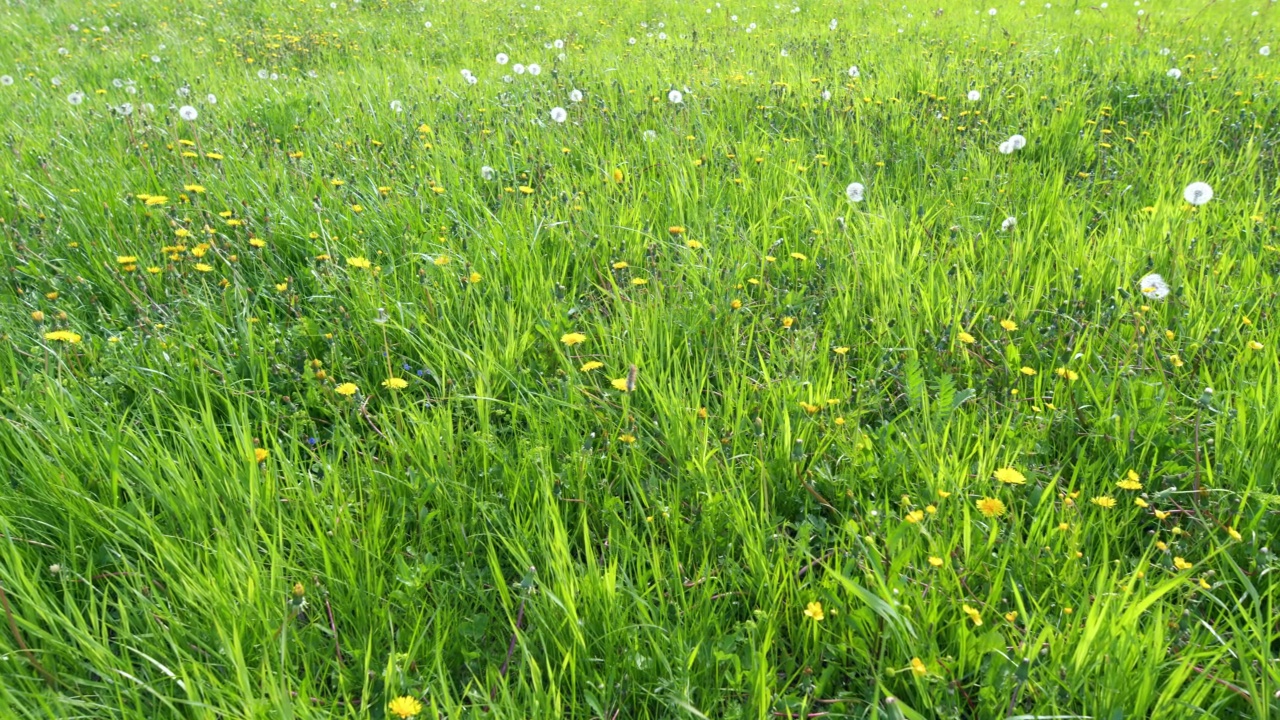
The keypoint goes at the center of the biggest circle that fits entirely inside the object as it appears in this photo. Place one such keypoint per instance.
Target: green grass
(512, 536)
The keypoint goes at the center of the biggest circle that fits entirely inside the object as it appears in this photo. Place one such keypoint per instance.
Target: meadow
(391, 359)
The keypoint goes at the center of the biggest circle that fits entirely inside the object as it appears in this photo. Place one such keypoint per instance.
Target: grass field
(639, 359)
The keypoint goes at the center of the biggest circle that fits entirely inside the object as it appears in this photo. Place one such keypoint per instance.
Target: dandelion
(64, 336)
(347, 389)
(1182, 564)
(75, 98)
(935, 561)
(1153, 286)
(395, 383)
(1255, 345)
(918, 668)
(260, 454)
(591, 365)
(404, 707)
(575, 96)
(991, 507)
(397, 106)
(518, 69)
(1008, 223)
(1264, 51)
(1009, 325)
(1198, 193)
(558, 114)
(1010, 476)
(572, 338)
(359, 262)
(855, 191)
(188, 113)
(502, 59)
(966, 338)
(488, 173)
(6, 80)
(1130, 482)
(974, 96)
(1017, 141)
(814, 611)
(1174, 73)
(1105, 502)
(1006, 148)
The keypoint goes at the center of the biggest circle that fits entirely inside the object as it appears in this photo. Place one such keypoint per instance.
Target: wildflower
(1154, 286)
(798, 256)
(1235, 534)
(915, 516)
(559, 114)
(917, 667)
(188, 113)
(502, 59)
(1130, 482)
(1017, 141)
(966, 338)
(1009, 325)
(842, 350)
(1198, 193)
(193, 188)
(627, 438)
(1141, 503)
(395, 383)
(359, 261)
(1264, 51)
(814, 610)
(1068, 375)
(347, 389)
(1008, 223)
(621, 265)
(855, 191)
(37, 315)
(854, 72)
(474, 278)
(203, 267)
(974, 96)
(155, 200)
(591, 365)
(1182, 564)
(1104, 501)
(676, 97)
(575, 96)
(572, 339)
(441, 260)
(404, 707)
(973, 614)
(65, 336)
(1255, 345)
(1010, 476)
(1027, 371)
(260, 454)
(935, 561)
(620, 384)
(991, 507)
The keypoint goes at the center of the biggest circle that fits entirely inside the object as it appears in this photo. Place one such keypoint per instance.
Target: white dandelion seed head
(974, 96)
(185, 91)
(502, 59)
(1198, 193)
(1154, 286)
(507, 78)
(992, 12)
(55, 81)
(662, 36)
(676, 97)
(1009, 223)
(1174, 73)
(117, 83)
(488, 173)
(854, 72)
(6, 79)
(785, 53)
(631, 41)
(826, 95)
(188, 113)
(650, 135)
(832, 24)
(1017, 141)
(131, 89)
(559, 115)
(427, 24)
(517, 69)
(125, 109)
(1165, 51)
(534, 69)
(397, 106)
(1006, 148)
(263, 74)
(155, 58)
(1264, 51)
(558, 44)
(575, 95)
(75, 98)
(855, 191)
(211, 99)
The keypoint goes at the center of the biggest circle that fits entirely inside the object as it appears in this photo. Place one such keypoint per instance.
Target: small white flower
(1198, 193)
(855, 192)
(488, 173)
(1154, 287)
(1264, 51)
(974, 96)
(502, 59)
(1174, 73)
(559, 115)
(676, 97)
(75, 98)
(1008, 223)
(1017, 141)
(575, 96)
(188, 113)
(397, 106)
(534, 69)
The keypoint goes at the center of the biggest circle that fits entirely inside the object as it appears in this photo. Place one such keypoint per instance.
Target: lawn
(617, 360)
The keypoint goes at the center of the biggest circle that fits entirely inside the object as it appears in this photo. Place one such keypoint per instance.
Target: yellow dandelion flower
(395, 383)
(991, 507)
(1010, 476)
(65, 336)
(966, 338)
(1070, 375)
(591, 365)
(842, 350)
(347, 389)
(572, 338)
(359, 261)
(1009, 325)
(1103, 501)
(404, 707)
(203, 267)
(260, 454)
(621, 265)
(441, 260)
(620, 384)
